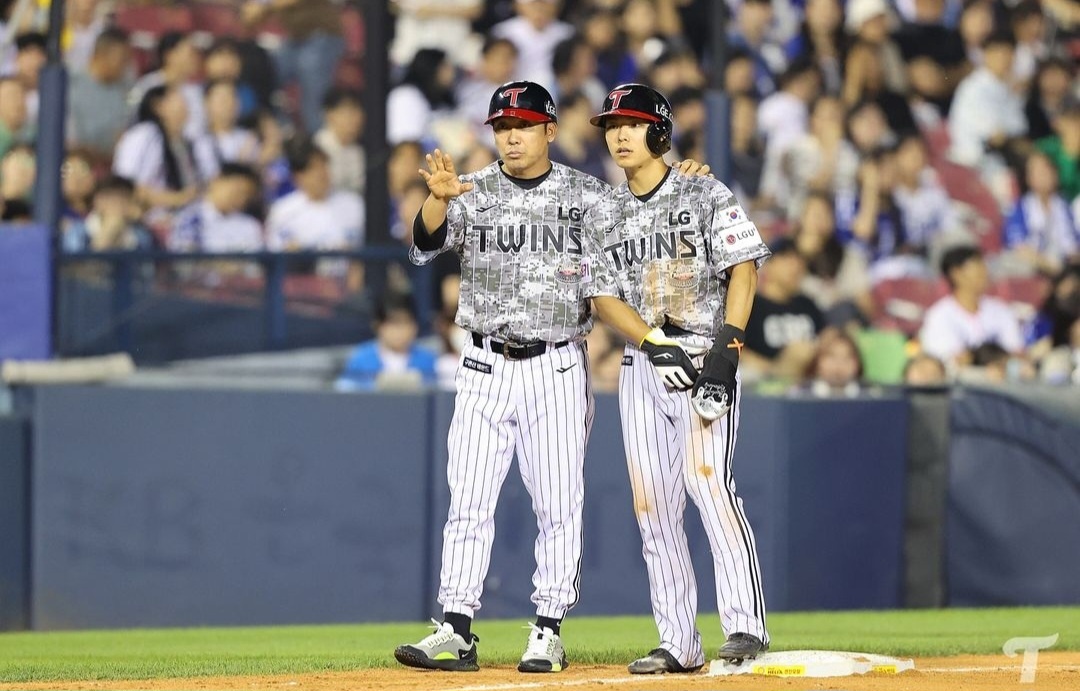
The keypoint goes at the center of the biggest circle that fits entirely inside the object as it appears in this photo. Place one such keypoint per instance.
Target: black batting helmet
(645, 103)
(525, 100)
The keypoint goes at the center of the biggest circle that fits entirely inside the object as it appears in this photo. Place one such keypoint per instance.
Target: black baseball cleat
(741, 646)
(443, 650)
(659, 661)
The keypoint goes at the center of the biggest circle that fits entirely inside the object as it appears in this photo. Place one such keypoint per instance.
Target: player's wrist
(653, 338)
(729, 343)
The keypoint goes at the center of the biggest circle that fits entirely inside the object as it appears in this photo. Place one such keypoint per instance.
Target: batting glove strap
(729, 344)
(672, 363)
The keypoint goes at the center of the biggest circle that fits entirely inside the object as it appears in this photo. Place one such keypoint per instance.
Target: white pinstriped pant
(671, 452)
(542, 409)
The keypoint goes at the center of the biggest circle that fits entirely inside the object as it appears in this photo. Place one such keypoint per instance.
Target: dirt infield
(1055, 672)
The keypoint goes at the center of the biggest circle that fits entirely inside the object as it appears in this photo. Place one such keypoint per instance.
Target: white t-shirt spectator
(140, 157)
(408, 115)
(297, 222)
(535, 48)
(926, 210)
(347, 162)
(453, 35)
(948, 329)
(201, 227)
(983, 106)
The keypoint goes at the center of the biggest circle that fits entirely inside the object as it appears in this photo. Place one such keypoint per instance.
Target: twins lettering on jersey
(661, 244)
(535, 237)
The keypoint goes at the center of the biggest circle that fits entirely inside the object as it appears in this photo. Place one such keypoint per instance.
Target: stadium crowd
(915, 163)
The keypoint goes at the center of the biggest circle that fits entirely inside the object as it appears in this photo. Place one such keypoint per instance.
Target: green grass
(147, 654)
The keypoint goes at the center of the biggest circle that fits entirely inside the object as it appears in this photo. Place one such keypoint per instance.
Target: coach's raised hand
(442, 178)
(672, 363)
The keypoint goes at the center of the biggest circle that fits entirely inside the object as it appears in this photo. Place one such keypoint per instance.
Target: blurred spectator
(425, 92)
(867, 129)
(821, 40)
(77, 184)
(837, 369)
(688, 109)
(986, 112)
(18, 168)
(873, 221)
(224, 62)
(747, 151)
(614, 65)
(975, 26)
(924, 205)
(1048, 96)
(15, 126)
(1063, 147)
(98, 108)
(343, 114)
(155, 154)
(29, 60)
(870, 22)
(224, 141)
(929, 94)
(392, 359)
(819, 160)
(836, 275)
(535, 30)
(783, 116)
(675, 68)
(218, 222)
(316, 216)
(781, 332)
(311, 50)
(925, 370)
(750, 33)
(445, 24)
(578, 144)
(1055, 332)
(574, 65)
(476, 158)
(990, 363)
(179, 65)
(85, 23)
(274, 166)
(412, 198)
(1040, 229)
(864, 80)
(739, 75)
(498, 61)
(1028, 26)
(967, 317)
(112, 224)
(402, 167)
(927, 35)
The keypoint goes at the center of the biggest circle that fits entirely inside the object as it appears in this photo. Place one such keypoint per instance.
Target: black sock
(462, 624)
(549, 623)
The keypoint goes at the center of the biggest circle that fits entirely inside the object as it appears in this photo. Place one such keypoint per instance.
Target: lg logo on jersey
(683, 219)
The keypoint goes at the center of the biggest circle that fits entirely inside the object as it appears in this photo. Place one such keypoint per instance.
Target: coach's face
(626, 141)
(523, 146)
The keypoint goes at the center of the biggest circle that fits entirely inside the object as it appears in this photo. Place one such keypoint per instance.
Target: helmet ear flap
(658, 137)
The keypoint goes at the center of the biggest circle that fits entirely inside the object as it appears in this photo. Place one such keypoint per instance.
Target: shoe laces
(443, 633)
(541, 641)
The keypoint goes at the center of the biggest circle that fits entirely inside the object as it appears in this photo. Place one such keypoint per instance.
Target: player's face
(523, 146)
(626, 141)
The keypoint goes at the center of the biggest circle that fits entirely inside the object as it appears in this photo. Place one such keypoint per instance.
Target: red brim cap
(598, 120)
(531, 116)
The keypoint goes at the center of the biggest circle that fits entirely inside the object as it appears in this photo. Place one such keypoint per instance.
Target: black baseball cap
(525, 100)
(634, 101)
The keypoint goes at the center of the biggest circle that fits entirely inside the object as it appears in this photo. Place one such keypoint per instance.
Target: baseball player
(523, 385)
(683, 256)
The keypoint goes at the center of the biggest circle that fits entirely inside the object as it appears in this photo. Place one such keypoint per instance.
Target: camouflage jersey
(524, 259)
(667, 255)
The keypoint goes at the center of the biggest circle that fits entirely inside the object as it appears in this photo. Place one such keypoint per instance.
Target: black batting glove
(714, 391)
(672, 363)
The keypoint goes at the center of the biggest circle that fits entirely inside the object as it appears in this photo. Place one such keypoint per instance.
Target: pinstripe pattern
(672, 452)
(531, 409)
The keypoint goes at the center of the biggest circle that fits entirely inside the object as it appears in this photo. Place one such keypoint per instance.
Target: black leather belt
(515, 351)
